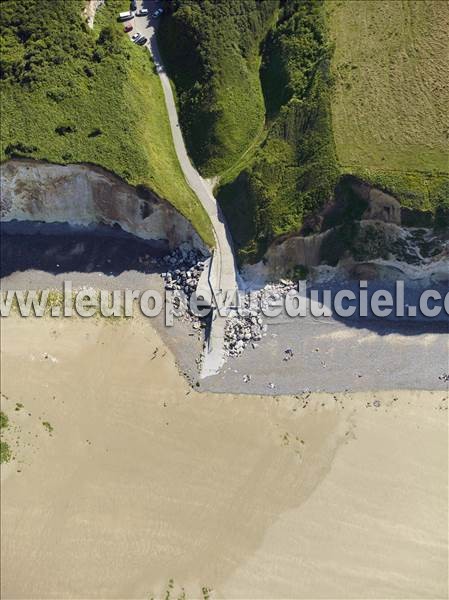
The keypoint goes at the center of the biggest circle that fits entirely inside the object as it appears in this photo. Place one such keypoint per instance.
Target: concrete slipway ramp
(221, 271)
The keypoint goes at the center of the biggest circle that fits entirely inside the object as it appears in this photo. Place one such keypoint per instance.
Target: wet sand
(143, 479)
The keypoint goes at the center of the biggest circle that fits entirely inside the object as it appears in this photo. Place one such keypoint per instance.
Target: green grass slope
(391, 95)
(71, 95)
(294, 171)
(212, 53)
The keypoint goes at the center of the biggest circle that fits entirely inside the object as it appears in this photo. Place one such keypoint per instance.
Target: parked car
(133, 5)
(136, 37)
(157, 13)
(128, 28)
(142, 41)
(142, 12)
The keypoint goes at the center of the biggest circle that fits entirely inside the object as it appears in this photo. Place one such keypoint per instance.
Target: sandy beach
(261, 187)
(124, 477)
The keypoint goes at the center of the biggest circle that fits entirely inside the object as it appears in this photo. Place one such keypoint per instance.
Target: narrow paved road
(223, 271)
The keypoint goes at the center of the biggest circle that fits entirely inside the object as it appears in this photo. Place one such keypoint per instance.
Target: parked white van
(126, 16)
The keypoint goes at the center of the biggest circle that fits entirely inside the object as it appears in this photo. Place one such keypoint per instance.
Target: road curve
(223, 270)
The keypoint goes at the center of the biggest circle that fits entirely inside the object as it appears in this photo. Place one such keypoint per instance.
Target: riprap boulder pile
(246, 325)
(184, 267)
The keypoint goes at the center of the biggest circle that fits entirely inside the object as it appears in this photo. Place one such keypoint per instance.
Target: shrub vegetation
(5, 452)
(347, 88)
(212, 53)
(72, 95)
(294, 171)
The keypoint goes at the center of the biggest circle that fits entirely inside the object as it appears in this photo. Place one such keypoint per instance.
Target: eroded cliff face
(372, 243)
(283, 256)
(380, 206)
(86, 195)
(378, 251)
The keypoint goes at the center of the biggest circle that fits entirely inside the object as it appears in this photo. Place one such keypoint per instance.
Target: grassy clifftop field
(73, 95)
(391, 95)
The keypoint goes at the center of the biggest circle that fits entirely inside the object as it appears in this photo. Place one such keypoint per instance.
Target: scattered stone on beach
(245, 326)
(376, 403)
(288, 354)
(239, 332)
